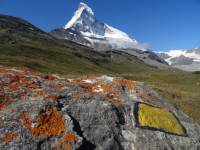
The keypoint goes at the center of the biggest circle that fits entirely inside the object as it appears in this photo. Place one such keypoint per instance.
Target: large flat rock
(41, 111)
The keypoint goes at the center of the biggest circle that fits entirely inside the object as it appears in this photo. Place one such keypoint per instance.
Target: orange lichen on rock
(27, 122)
(15, 78)
(116, 101)
(3, 70)
(1, 105)
(18, 81)
(87, 87)
(14, 86)
(58, 87)
(76, 82)
(6, 97)
(128, 83)
(106, 87)
(8, 137)
(70, 137)
(38, 94)
(101, 88)
(52, 97)
(33, 86)
(50, 123)
(67, 146)
(66, 140)
(1, 85)
(49, 77)
(46, 96)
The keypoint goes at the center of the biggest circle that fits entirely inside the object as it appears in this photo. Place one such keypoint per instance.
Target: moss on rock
(159, 118)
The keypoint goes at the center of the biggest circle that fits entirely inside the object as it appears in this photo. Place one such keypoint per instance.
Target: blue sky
(163, 24)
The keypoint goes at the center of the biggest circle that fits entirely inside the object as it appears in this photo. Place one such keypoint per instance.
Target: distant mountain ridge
(188, 60)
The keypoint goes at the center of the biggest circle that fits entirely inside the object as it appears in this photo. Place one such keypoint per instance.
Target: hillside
(38, 50)
(22, 44)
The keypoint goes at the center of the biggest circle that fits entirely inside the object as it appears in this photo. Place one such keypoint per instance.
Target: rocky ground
(41, 111)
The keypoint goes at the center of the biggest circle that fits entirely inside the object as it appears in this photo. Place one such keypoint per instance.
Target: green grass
(48, 55)
(196, 72)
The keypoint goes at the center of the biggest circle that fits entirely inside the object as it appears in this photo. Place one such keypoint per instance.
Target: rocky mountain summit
(43, 111)
(84, 28)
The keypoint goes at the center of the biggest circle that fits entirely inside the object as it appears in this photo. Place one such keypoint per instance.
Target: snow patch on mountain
(115, 33)
(77, 14)
(178, 53)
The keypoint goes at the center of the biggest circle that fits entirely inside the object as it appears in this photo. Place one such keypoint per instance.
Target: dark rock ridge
(17, 24)
(70, 35)
(10, 26)
(41, 111)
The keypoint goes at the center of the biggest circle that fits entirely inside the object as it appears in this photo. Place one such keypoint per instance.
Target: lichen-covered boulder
(41, 111)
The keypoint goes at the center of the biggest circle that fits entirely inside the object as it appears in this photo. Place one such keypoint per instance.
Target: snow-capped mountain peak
(85, 6)
(82, 7)
(99, 35)
(115, 33)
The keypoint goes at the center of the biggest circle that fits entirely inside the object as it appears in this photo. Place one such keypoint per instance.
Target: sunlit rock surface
(42, 111)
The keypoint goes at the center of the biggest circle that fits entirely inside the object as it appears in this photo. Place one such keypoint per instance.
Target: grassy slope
(36, 51)
(181, 88)
(40, 52)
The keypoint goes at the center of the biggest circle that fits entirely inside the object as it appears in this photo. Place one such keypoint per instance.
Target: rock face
(39, 111)
(188, 60)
